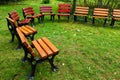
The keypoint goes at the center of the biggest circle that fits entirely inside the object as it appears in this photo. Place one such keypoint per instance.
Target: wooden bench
(100, 13)
(81, 11)
(47, 10)
(63, 10)
(14, 15)
(28, 12)
(27, 30)
(115, 16)
(46, 51)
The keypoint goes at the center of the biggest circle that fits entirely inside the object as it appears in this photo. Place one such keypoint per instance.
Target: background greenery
(87, 52)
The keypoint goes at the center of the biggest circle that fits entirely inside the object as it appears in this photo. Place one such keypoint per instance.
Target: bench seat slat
(45, 47)
(102, 12)
(41, 52)
(20, 35)
(29, 48)
(100, 9)
(77, 12)
(116, 15)
(24, 31)
(30, 28)
(99, 14)
(80, 15)
(24, 41)
(116, 18)
(62, 14)
(50, 45)
(100, 17)
(86, 10)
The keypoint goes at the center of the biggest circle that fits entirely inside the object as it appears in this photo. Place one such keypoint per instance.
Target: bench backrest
(81, 10)
(14, 15)
(12, 22)
(100, 12)
(45, 9)
(25, 43)
(116, 13)
(28, 11)
(63, 8)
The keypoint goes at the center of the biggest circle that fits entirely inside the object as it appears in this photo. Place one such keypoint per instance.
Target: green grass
(86, 52)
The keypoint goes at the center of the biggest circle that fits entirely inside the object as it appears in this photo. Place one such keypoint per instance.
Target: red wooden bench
(63, 10)
(115, 16)
(47, 10)
(28, 12)
(46, 51)
(27, 30)
(100, 13)
(81, 11)
(14, 15)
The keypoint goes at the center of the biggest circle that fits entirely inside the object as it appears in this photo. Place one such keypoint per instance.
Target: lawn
(87, 52)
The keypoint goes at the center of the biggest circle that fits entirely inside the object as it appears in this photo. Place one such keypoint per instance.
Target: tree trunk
(100, 3)
(85, 3)
(73, 6)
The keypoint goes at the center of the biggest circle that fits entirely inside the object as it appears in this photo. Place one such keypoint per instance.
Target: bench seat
(100, 13)
(115, 16)
(81, 11)
(47, 11)
(46, 51)
(63, 10)
(14, 15)
(28, 12)
(45, 47)
(27, 30)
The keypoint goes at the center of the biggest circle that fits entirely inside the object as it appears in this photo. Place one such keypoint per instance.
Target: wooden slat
(82, 10)
(30, 49)
(116, 15)
(12, 22)
(63, 11)
(30, 28)
(22, 38)
(80, 15)
(82, 7)
(45, 47)
(41, 52)
(99, 14)
(77, 12)
(24, 31)
(117, 18)
(100, 17)
(27, 29)
(62, 14)
(50, 45)
(116, 9)
(100, 9)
